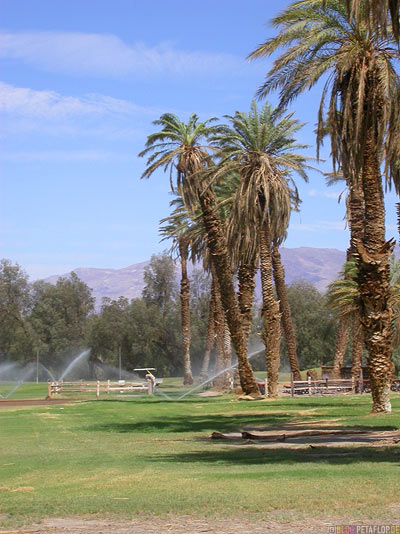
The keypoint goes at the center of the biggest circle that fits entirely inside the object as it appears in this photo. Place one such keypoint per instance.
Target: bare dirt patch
(22, 403)
(184, 525)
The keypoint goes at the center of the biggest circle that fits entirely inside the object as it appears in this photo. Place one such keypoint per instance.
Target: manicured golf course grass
(121, 457)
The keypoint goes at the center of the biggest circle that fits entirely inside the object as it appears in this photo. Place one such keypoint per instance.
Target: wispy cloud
(51, 105)
(325, 193)
(67, 156)
(319, 226)
(25, 110)
(107, 55)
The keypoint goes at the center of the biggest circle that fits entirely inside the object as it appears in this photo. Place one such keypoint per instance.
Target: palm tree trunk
(398, 217)
(185, 312)
(210, 336)
(270, 312)
(227, 356)
(220, 382)
(357, 349)
(342, 337)
(373, 281)
(279, 278)
(220, 257)
(356, 224)
(247, 284)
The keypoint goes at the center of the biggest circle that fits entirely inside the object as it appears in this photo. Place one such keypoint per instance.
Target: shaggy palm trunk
(185, 312)
(221, 382)
(356, 223)
(270, 312)
(357, 349)
(217, 245)
(227, 356)
(247, 284)
(398, 218)
(342, 337)
(210, 336)
(373, 281)
(279, 278)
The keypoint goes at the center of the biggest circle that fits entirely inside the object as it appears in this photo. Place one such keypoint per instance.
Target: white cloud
(47, 105)
(27, 111)
(318, 226)
(325, 193)
(67, 156)
(107, 55)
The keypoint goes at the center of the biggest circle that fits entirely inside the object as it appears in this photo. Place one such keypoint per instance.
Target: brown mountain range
(318, 266)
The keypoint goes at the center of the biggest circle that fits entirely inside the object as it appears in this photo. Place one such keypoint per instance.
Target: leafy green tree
(16, 336)
(59, 316)
(314, 325)
(159, 283)
(108, 331)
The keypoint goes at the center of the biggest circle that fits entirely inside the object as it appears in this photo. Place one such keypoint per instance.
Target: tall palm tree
(180, 146)
(176, 226)
(355, 221)
(260, 147)
(344, 299)
(363, 121)
(280, 286)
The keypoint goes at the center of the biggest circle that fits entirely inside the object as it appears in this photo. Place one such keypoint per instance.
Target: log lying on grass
(303, 433)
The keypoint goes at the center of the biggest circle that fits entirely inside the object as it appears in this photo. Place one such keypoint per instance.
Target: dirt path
(187, 525)
(22, 403)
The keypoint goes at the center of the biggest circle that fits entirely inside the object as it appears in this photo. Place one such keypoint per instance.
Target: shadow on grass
(195, 423)
(214, 422)
(247, 455)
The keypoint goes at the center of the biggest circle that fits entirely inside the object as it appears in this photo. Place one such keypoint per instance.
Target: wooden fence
(321, 387)
(99, 387)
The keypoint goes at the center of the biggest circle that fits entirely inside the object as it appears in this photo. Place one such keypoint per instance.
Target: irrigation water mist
(217, 374)
(50, 374)
(84, 354)
(24, 377)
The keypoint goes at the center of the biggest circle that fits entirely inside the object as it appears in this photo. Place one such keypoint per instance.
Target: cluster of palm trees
(235, 180)
(235, 193)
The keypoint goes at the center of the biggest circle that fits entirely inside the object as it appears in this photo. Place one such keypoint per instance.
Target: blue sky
(82, 81)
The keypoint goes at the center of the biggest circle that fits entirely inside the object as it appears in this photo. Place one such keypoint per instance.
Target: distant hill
(318, 266)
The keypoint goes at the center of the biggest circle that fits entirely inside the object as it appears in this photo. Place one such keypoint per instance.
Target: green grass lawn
(150, 456)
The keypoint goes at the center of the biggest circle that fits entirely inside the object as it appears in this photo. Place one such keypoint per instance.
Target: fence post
(266, 387)
(361, 382)
(49, 389)
(309, 386)
(327, 385)
(353, 385)
(108, 386)
(98, 389)
(291, 385)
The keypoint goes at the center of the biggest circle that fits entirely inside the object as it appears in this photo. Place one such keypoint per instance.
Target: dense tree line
(59, 320)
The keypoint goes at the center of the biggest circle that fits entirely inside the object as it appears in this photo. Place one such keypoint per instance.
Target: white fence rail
(99, 387)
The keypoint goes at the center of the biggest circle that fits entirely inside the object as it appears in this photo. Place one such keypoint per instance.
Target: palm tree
(344, 299)
(176, 226)
(376, 13)
(180, 146)
(259, 146)
(280, 286)
(363, 122)
(355, 221)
